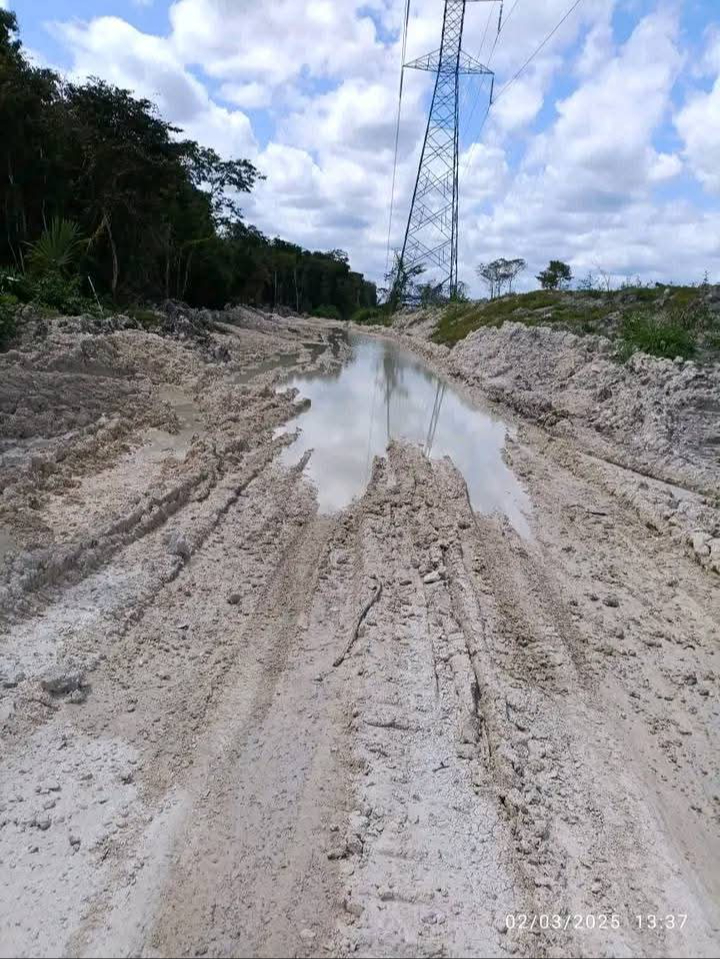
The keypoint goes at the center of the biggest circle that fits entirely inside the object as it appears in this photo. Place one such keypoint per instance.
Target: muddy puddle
(385, 392)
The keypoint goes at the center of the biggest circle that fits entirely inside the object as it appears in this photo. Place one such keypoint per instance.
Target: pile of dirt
(663, 412)
(656, 417)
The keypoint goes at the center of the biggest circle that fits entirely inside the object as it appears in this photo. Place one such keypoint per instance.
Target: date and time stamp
(571, 922)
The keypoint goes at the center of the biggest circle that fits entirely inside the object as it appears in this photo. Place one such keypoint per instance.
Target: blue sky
(605, 152)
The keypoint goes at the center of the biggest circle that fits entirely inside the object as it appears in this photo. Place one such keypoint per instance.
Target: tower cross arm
(466, 65)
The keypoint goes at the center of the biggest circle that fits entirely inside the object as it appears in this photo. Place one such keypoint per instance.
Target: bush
(8, 314)
(372, 315)
(327, 312)
(57, 249)
(58, 292)
(656, 335)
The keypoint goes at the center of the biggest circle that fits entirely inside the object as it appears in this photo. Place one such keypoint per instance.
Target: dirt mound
(663, 412)
(659, 418)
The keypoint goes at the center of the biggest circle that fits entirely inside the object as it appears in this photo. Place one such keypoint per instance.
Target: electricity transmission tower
(431, 236)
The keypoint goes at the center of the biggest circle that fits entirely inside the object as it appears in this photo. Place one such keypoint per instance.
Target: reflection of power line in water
(372, 420)
(432, 426)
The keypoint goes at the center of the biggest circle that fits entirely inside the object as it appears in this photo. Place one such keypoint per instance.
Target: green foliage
(57, 250)
(59, 292)
(327, 312)
(372, 316)
(684, 297)
(402, 282)
(642, 294)
(656, 335)
(557, 276)
(461, 319)
(663, 320)
(160, 214)
(8, 315)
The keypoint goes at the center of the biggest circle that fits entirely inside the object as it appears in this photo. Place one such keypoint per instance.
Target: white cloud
(664, 166)
(116, 51)
(698, 123)
(582, 189)
(251, 96)
(273, 42)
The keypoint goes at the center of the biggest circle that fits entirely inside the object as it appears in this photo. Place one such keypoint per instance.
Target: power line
(489, 60)
(522, 69)
(535, 53)
(512, 10)
(397, 130)
(479, 57)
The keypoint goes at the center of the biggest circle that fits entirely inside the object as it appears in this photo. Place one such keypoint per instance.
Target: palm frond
(58, 247)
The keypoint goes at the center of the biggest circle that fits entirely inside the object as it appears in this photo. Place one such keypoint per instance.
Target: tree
(215, 176)
(402, 282)
(431, 294)
(557, 276)
(499, 274)
(159, 216)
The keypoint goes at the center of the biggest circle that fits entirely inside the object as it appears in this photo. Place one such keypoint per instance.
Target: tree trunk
(187, 274)
(113, 252)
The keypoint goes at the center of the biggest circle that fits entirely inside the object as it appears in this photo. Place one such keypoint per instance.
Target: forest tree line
(143, 214)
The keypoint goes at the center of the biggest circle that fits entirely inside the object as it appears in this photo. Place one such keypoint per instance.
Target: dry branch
(358, 622)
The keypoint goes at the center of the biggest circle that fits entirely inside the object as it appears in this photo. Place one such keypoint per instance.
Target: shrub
(60, 293)
(656, 335)
(372, 315)
(327, 312)
(57, 249)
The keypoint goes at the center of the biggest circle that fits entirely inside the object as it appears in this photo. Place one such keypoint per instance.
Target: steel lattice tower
(431, 237)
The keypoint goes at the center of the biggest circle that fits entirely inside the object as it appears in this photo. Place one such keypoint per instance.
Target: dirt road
(233, 724)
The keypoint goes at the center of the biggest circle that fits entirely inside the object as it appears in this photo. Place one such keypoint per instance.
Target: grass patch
(656, 335)
(642, 294)
(578, 318)
(535, 308)
(684, 297)
(461, 319)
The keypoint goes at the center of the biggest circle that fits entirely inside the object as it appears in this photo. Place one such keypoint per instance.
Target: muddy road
(270, 686)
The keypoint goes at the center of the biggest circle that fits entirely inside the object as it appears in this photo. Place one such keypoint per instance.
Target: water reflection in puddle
(384, 392)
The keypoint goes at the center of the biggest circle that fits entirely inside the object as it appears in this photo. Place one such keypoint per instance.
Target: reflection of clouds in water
(382, 391)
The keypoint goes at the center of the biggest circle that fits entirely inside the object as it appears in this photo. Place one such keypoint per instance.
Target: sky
(605, 152)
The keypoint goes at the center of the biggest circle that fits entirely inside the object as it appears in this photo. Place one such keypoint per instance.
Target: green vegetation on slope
(373, 316)
(662, 320)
